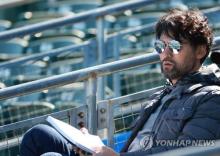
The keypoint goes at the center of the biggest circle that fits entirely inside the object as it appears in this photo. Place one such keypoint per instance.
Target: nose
(166, 53)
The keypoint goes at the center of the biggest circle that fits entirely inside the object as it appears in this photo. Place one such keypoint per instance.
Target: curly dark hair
(190, 25)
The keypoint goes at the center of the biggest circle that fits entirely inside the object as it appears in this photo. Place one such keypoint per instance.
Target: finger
(84, 130)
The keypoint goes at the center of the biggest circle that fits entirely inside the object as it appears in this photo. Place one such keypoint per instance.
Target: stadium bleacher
(65, 97)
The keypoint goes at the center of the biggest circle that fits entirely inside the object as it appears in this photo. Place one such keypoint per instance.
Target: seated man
(184, 113)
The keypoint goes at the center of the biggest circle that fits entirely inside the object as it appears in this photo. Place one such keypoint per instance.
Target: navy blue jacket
(190, 112)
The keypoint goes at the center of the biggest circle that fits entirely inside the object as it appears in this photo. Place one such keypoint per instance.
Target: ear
(200, 51)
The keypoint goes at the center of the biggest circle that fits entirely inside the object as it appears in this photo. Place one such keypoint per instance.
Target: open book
(86, 142)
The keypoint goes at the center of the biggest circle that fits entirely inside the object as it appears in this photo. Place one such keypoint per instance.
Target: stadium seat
(75, 6)
(46, 44)
(33, 17)
(12, 49)
(4, 25)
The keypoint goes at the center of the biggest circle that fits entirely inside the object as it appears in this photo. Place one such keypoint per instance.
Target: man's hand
(104, 151)
(84, 130)
(77, 150)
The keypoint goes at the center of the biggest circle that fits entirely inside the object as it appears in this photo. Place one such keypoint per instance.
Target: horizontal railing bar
(65, 113)
(131, 97)
(60, 114)
(34, 28)
(137, 29)
(79, 75)
(10, 142)
(35, 120)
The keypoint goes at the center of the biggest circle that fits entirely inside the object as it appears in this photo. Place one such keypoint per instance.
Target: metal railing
(89, 52)
(89, 75)
(74, 116)
(95, 108)
(73, 48)
(99, 114)
(71, 19)
(71, 116)
(79, 75)
(97, 14)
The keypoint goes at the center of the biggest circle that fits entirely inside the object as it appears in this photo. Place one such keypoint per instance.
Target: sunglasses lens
(175, 46)
(159, 46)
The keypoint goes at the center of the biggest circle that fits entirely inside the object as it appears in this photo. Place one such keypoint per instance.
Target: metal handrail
(89, 75)
(95, 13)
(79, 75)
(98, 13)
(35, 120)
(74, 111)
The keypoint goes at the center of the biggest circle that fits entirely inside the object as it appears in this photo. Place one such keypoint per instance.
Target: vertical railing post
(90, 86)
(101, 56)
(116, 76)
(111, 126)
(106, 123)
(91, 102)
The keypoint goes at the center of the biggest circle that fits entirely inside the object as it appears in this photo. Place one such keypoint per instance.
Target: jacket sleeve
(203, 125)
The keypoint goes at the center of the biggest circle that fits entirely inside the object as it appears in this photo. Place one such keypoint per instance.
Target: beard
(177, 71)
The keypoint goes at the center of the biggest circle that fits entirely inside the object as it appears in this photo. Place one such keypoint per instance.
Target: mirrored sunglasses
(173, 45)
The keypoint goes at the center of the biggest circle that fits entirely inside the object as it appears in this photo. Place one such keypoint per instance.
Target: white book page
(86, 142)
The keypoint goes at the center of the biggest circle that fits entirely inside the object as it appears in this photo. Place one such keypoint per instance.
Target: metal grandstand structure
(103, 116)
(11, 138)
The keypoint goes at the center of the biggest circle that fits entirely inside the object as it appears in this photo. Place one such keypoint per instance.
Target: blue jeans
(42, 139)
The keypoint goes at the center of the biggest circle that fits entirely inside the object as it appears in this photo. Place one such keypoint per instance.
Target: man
(186, 112)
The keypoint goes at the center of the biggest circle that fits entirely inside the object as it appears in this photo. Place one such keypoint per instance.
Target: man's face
(174, 66)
